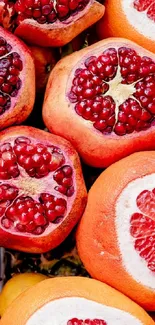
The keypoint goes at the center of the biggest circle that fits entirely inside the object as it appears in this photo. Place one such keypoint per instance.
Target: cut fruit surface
(49, 22)
(108, 98)
(81, 301)
(116, 236)
(40, 178)
(17, 80)
(133, 19)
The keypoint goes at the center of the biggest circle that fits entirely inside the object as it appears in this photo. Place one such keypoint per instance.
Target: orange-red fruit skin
(46, 242)
(95, 148)
(25, 101)
(96, 232)
(44, 60)
(57, 288)
(59, 35)
(116, 24)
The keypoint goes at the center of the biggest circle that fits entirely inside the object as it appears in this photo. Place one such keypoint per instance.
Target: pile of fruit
(77, 162)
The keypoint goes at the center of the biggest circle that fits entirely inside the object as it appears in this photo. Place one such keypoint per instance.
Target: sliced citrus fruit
(133, 19)
(74, 301)
(16, 285)
(116, 236)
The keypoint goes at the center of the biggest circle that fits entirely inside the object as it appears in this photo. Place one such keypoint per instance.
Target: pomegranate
(44, 60)
(76, 321)
(17, 80)
(49, 22)
(42, 192)
(106, 93)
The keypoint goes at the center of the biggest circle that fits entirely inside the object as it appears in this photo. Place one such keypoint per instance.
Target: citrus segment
(143, 227)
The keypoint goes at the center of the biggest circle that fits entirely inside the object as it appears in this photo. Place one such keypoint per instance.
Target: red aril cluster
(91, 91)
(48, 11)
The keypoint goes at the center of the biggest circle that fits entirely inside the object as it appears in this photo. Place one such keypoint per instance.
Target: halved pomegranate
(42, 192)
(17, 80)
(106, 93)
(49, 22)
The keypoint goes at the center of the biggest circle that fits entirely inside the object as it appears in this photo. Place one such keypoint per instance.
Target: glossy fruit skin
(97, 228)
(96, 149)
(44, 60)
(17, 285)
(45, 242)
(57, 288)
(25, 99)
(59, 34)
(116, 24)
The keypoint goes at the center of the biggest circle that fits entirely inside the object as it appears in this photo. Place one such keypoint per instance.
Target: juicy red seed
(89, 84)
(45, 11)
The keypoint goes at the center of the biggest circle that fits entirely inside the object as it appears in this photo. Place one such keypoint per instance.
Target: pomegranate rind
(97, 229)
(110, 26)
(59, 34)
(49, 240)
(53, 289)
(26, 95)
(44, 60)
(96, 149)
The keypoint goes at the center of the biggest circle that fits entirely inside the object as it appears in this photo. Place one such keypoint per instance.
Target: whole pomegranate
(44, 61)
(17, 80)
(102, 99)
(42, 191)
(49, 22)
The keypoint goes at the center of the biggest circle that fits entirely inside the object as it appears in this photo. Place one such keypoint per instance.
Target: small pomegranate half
(102, 99)
(49, 22)
(17, 80)
(42, 191)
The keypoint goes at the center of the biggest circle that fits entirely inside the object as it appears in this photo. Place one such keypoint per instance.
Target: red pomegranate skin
(21, 187)
(98, 148)
(21, 104)
(54, 29)
(44, 59)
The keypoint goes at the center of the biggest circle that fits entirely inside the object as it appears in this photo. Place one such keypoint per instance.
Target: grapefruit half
(116, 236)
(74, 301)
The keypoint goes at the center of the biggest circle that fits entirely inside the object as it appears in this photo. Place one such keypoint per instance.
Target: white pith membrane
(33, 187)
(118, 91)
(60, 311)
(139, 20)
(15, 49)
(126, 205)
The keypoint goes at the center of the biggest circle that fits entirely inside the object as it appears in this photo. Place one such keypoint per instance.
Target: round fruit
(17, 285)
(74, 301)
(17, 80)
(106, 93)
(116, 237)
(49, 22)
(44, 60)
(133, 19)
(42, 192)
